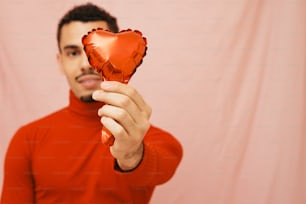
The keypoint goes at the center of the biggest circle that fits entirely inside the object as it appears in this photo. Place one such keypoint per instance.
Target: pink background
(226, 77)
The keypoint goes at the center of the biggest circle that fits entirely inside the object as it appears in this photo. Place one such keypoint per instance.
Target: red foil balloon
(115, 56)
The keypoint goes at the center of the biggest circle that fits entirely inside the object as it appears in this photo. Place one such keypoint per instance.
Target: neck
(88, 108)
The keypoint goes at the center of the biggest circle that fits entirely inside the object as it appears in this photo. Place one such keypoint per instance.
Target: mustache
(89, 71)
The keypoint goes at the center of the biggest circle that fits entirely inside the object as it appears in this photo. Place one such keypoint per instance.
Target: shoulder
(26, 135)
(42, 122)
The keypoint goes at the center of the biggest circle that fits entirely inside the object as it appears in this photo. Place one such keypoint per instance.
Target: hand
(126, 115)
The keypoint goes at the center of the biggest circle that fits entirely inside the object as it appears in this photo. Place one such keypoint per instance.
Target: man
(60, 158)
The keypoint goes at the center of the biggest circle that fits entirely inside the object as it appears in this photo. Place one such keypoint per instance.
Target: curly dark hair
(86, 13)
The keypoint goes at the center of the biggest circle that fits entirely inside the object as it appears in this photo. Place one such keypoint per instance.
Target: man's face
(73, 60)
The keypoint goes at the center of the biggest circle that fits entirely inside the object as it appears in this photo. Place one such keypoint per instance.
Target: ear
(60, 62)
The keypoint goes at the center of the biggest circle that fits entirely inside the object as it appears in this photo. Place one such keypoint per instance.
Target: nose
(85, 64)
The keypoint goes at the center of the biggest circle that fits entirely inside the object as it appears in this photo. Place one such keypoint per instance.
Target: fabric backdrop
(226, 77)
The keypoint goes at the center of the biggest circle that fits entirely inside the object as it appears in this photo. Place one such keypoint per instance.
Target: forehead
(72, 33)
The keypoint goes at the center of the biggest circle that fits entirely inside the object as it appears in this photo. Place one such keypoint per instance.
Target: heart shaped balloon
(115, 56)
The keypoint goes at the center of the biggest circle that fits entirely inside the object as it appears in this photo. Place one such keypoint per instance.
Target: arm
(18, 182)
(162, 155)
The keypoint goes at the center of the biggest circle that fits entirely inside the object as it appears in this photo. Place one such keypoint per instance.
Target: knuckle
(125, 102)
(119, 131)
(149, 111)
(145, 127)
(131, 92)
(122, 115)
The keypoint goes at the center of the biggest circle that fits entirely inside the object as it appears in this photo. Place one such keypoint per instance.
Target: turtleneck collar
(83, 108)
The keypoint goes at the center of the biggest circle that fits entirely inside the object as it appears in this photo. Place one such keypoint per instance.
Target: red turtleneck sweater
(59, 159)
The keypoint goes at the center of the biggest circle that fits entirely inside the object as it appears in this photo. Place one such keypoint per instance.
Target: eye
(73, 53)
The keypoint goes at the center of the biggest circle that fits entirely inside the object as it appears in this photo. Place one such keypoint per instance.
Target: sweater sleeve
(18, 182)
(162, 155)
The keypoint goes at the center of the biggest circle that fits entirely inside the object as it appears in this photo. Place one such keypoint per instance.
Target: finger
(117, 87)
(121, 101)
(116, 129)
(120, 115)
(122, 142)
(133, 130)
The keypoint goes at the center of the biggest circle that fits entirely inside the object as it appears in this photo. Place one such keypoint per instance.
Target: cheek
(70, 68)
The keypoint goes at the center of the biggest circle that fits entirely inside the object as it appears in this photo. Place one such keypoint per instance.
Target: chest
(71, 160)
